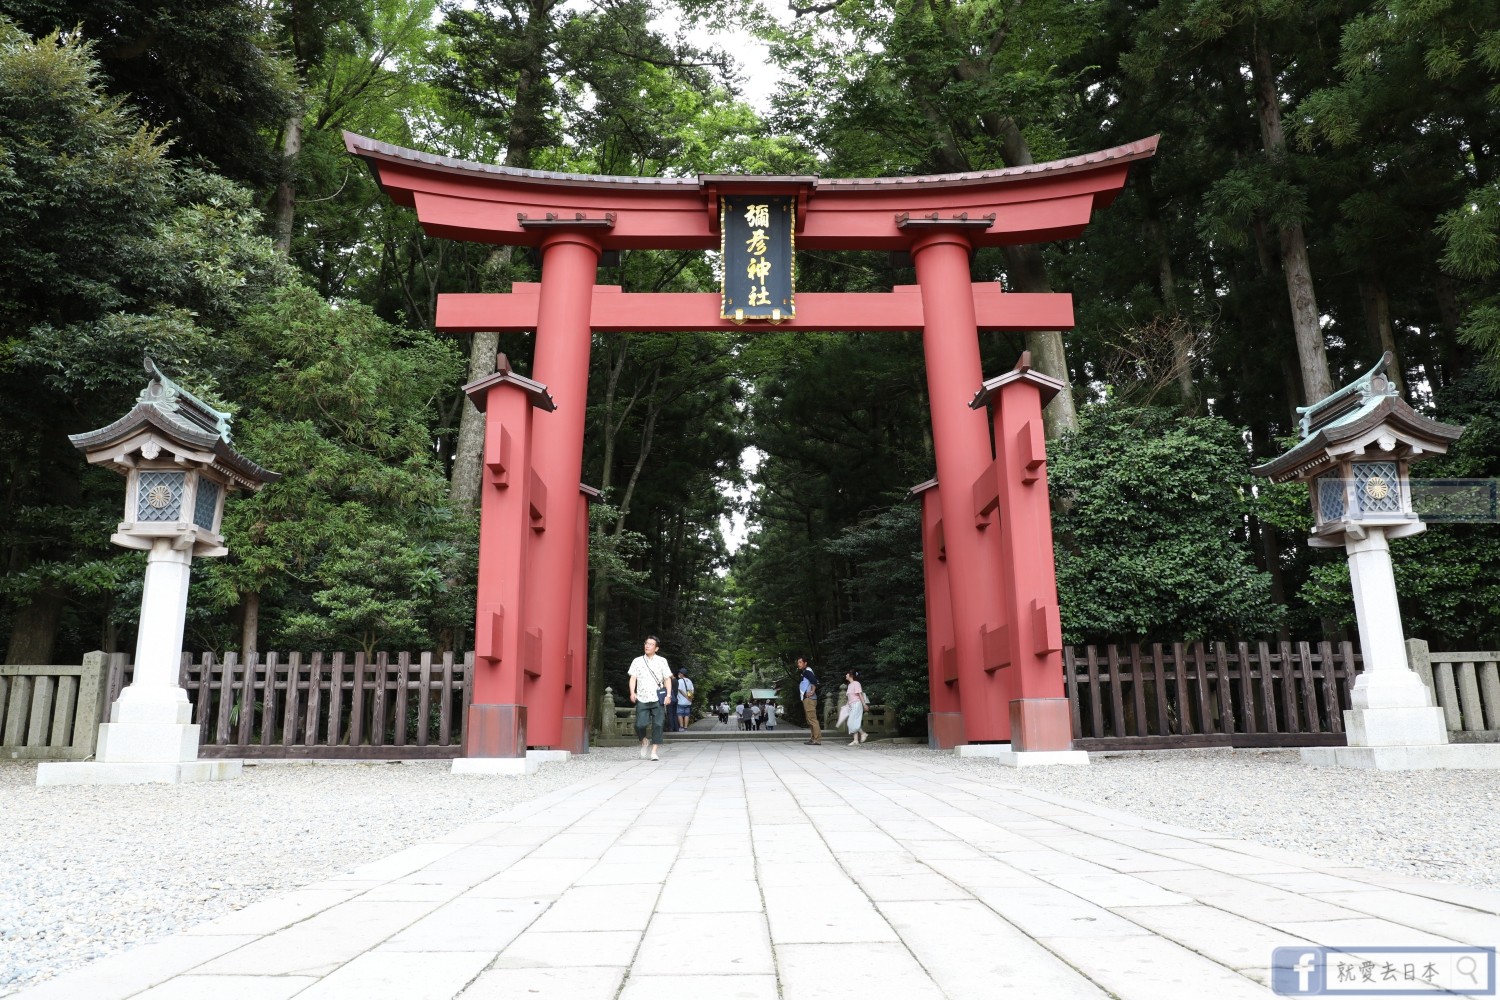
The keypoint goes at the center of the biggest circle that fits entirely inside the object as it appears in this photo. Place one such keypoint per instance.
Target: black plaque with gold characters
(757, 244)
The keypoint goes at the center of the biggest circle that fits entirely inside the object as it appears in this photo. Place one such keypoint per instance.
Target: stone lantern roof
(1365, 415)
(167, 416)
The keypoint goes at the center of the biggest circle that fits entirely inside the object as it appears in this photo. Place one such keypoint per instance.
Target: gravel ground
(87, 871)
(1439, 825)
(91, 870)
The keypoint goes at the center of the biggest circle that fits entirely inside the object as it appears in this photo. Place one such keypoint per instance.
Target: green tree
(355, 543)
(108, 250)
(203, 69)
(1148, 516)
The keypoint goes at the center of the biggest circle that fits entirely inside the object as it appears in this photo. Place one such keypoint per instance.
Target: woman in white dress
(856, 707)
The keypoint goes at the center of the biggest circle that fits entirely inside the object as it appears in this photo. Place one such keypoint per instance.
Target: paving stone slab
(270, 915)
(408, 975)
(682, 944)
(1054, 912)
(567, 949)
(843, 913)
(468, 925)
(1229, 939)
(190, 987)
(597, 908)
(973, 954)
(1434, 916)
(690, 987)
(1360, 931)
(1253, 900)
(322, 943)
(1153, 968)
(869, 971)
(576, 983)
(129, 972)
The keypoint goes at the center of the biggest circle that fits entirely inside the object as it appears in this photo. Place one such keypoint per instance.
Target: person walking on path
(770, 716)
(807, 687)
(650, 682)
(854, 707)
(742, 715)
(684, 698)
(754, 717)
(724, 713)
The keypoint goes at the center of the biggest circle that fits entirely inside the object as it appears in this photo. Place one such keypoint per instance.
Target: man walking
(650, 681)
(684, 698)
(807, 687)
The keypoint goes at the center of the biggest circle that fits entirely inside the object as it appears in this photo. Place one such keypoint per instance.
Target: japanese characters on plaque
(757, 244)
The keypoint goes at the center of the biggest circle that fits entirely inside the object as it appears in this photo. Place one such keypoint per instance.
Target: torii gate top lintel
(491, 203)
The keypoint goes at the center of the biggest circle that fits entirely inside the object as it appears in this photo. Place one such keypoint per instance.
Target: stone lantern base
(1005, 753)
(1435, 756)
(149, 741)
(143, 773)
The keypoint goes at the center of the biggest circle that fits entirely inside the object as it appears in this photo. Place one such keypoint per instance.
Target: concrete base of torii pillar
(1004, 753)
(150, 738)
(1394, 724)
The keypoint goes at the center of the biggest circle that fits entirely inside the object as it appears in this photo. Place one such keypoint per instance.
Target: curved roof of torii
(489, 203)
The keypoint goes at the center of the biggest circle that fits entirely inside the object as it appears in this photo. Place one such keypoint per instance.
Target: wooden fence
(1198, 695)
(346, 706)
(414, 705)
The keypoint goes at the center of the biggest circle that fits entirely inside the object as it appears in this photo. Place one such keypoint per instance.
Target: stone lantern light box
(1355, 455)
(179, 462)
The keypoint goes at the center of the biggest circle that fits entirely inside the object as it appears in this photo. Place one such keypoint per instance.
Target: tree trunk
(468, 452)
(250, 623)
(34, 630)
(284, 207)
(1311, 352)
(598, 621)
(1377, 303)
(1182, 340)
(1048, 355)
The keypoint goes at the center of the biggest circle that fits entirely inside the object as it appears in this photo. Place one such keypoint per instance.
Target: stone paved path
(757, 871)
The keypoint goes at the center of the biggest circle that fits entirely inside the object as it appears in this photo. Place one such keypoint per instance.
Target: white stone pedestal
(1394, 725)
(529, 764)
(150, 736)
(1475, 756)
(1003, 754)
(550, 756)
(496, 765)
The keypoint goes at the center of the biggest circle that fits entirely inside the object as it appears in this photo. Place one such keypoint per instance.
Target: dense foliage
(173, 182)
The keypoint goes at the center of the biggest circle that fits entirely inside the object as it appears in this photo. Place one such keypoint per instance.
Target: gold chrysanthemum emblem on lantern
(1376, 488)
(159, 496)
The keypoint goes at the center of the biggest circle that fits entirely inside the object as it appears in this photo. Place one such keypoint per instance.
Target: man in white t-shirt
(650, 680)
(684, 698)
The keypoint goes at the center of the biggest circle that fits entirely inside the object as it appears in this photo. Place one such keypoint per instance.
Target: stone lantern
(179, 465)
(1355, 454)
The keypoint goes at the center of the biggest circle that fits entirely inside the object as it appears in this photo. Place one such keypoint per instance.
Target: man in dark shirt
(808, 688)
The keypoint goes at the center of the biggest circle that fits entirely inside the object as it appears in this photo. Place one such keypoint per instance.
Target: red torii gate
(994, 642)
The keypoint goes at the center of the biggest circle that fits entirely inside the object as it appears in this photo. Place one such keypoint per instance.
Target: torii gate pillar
(1014, 490)
(505, 665)
(961, 446)
(564, 334)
